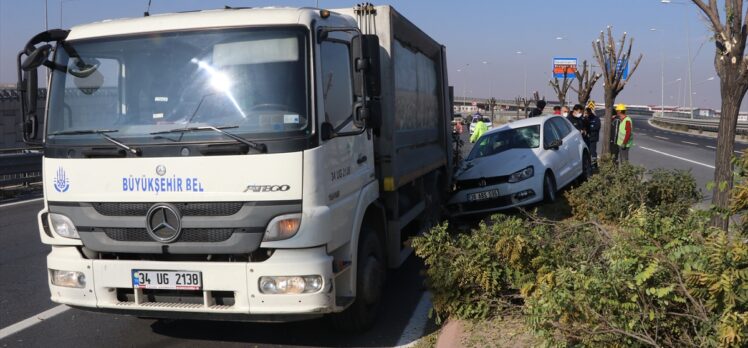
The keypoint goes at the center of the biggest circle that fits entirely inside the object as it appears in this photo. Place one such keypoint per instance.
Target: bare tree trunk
(605, 137)
(732, 97)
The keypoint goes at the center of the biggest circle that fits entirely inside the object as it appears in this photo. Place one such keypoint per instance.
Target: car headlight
(523, 174)
(282, 227)
(63, 226)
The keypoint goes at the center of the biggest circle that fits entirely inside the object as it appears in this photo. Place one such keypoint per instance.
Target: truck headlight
(63, 226)
(523, 174)
(290, 285)
(282, 227)
(68, 279)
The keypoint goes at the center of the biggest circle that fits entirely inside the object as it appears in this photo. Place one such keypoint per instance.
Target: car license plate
(482, 196)
(167, 280)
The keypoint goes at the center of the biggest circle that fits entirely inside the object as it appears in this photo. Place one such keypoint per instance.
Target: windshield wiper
(103, 132)
(262, 148)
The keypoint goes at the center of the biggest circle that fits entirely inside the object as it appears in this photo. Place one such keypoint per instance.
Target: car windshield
(255, 80)
(512, 138)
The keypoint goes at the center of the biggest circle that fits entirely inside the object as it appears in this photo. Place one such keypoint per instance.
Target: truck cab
(234, 164)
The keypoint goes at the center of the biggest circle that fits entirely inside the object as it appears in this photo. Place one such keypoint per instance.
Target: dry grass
(500, 332)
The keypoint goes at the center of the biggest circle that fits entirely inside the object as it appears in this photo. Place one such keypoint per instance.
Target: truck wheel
(370, 278)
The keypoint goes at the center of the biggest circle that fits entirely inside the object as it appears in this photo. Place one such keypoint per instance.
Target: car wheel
(370, 279)
(549, 188)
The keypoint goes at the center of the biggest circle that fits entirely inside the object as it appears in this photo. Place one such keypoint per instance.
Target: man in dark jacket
(578, 121)
(538, 110)
(593, 135)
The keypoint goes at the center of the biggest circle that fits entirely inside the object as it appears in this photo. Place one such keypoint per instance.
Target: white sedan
(518, 164)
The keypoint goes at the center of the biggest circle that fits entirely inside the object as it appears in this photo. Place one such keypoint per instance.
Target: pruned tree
(731, 64)
(526, 105)
(491, 106)
(586, 81)
(561, 87)
(518, 101)
(613, 61)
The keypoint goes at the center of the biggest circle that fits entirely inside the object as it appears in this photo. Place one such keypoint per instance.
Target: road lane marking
(21, 202)
(416, 324)
(689, 143)
(29, 322)
(663, 138)
(711, 147)
(736, 151)
(677, 157)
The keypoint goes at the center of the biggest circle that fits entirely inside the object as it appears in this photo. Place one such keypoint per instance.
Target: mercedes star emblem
(163, 223)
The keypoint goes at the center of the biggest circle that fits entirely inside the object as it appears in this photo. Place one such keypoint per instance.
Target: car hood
(504, 163)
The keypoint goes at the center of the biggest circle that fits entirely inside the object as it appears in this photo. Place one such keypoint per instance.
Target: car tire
(370, 279)
(549, 188)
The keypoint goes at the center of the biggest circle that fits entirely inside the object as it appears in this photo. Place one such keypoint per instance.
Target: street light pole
(688, 45)
(662, 71)
(524, 68)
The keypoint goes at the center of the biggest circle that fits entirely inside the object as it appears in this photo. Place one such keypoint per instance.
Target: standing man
(538, 110)
(557, 110)
(480, 128)
(625, 138)
(565, 111)
(594, 130)
(578, 121)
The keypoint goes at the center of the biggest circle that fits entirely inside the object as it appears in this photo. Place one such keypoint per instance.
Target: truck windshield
(253, 79)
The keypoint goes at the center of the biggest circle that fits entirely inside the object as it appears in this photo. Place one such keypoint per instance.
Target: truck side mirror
(326, 131)
(366, 65)
(28, 95)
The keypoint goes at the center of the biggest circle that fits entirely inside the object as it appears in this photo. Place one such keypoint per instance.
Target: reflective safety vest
(622, 133)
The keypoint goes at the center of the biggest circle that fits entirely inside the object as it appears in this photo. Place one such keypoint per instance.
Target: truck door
(349, 159)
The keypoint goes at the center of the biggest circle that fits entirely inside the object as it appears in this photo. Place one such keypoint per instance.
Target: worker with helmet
(593, 135)
(625, 134)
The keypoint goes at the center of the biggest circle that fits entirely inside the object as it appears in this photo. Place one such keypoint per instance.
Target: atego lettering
(267, 188)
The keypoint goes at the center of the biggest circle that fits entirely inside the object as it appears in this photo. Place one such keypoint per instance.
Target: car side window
(563, 126)
(550, 133)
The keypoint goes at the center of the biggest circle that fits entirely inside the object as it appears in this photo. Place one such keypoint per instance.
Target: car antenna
(147, 10)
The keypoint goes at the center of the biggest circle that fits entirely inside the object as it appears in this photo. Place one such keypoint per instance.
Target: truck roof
(230, 17)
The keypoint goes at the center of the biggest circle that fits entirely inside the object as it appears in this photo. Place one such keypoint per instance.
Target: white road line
(736, 151)
(663, 138)
(21, 202)
(689, 143)
(27, 323)
(678, 157)
(711, 147)
(416, 324)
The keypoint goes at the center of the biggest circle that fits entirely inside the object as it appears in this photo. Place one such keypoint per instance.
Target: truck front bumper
(109, 281)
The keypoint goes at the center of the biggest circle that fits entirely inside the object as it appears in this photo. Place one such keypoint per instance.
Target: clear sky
(474, 31)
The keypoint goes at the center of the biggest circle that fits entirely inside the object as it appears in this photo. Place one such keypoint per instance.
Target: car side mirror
(555, 145)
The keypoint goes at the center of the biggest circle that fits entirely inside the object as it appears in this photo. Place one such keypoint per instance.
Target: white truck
(244, 164)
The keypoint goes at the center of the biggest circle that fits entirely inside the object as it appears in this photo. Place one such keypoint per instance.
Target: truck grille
(189, 235)
(187, 209)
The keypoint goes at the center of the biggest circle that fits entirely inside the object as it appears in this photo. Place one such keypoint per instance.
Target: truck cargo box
(414, 138)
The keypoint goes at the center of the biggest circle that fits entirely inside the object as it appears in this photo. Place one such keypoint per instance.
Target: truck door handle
(361, 160)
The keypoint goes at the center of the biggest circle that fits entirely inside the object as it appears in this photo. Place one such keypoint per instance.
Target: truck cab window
(337, 82)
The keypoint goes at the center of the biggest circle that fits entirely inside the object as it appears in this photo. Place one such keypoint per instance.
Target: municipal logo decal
(61, 182)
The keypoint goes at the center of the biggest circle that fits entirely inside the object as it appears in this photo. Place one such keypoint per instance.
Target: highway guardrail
(709, 125)
(20, 168)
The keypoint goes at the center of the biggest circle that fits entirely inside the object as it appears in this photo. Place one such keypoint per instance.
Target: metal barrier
(20, 168)
(700, 124)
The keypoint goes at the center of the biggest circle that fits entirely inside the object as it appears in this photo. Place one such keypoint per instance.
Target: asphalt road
(24, 292)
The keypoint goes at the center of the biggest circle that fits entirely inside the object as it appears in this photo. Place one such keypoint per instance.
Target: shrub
(617, 191)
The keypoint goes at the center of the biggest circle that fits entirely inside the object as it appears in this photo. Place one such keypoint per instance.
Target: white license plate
(482, 196)
(167, 280)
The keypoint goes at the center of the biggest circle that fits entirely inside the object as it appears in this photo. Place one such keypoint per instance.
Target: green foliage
(617, 191)
(633, 267)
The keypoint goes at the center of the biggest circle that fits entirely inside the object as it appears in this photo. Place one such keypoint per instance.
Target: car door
(552, 158)
(572, 143)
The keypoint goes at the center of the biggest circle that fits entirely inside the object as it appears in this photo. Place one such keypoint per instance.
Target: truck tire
(370, 278)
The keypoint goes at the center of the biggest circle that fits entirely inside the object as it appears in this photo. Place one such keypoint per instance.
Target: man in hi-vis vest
(625, 136)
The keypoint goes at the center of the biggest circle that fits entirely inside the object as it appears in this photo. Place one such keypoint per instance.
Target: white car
(486, 120)
(518, 164)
